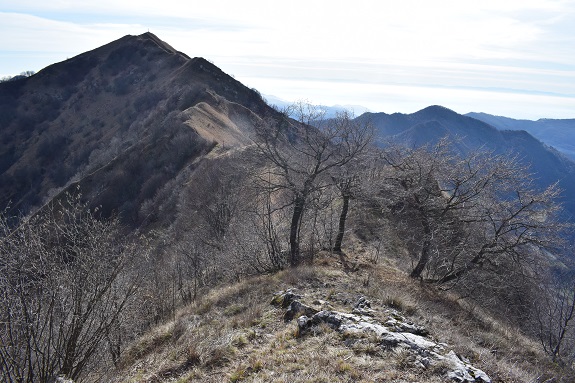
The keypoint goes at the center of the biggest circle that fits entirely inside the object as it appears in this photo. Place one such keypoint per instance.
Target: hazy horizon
(514, 59)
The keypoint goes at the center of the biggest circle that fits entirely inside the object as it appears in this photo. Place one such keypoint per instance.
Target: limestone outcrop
(393, 333)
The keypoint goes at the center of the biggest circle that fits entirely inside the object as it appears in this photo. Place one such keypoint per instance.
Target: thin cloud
(511, 47)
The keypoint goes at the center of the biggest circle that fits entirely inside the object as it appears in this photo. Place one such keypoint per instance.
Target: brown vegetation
(235, 334)
(239, 201)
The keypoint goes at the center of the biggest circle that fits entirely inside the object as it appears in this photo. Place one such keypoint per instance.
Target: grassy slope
(235, 334)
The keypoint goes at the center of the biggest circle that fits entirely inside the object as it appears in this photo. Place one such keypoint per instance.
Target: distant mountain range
(330, 111)
(431, 124)
(558, 133)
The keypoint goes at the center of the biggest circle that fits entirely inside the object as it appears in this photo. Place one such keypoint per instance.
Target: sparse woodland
(77, 289)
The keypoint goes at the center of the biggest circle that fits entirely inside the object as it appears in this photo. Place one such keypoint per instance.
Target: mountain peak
(97, 109)
(160, 43)
(437, 110)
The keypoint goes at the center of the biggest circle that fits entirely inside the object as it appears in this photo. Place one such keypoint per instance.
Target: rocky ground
(329, 323)
(393, 333)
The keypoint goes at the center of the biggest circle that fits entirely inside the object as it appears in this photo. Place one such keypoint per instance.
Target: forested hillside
(559, 134)
(122, 120)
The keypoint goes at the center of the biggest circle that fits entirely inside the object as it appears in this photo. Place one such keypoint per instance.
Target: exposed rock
(462, 371)
(284, 298)
(427, 351)
(396, 333)
(297, 308)
(288, 299)
(400, 324)
(331, 318)
(363, 307)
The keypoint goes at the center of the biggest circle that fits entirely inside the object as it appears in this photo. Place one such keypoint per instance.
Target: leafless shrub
(68, 281)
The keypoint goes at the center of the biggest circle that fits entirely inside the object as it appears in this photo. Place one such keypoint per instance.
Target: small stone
(363, 307)
(296, 308)
(362, 303)
(284, 298)
(303, 323)
(330, 318)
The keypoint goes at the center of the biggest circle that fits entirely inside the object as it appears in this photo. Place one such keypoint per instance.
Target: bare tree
(555, 313)
(267, 219)
(508, 219)
(412, 190)
(220, 199)
(303, 151)
(473, 212)
(65, 285)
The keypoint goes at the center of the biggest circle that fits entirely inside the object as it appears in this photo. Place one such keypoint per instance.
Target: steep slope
(558, 133)
(429, 125)
(122, 120)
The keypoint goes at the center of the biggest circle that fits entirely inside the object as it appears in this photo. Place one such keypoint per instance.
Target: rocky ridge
(396, 333)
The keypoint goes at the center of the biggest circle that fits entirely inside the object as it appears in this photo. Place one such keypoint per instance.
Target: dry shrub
(147, 344)
(304, 276)
(400, 304)
(248, 317)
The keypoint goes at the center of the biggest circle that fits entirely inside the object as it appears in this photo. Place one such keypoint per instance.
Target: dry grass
(234, 334)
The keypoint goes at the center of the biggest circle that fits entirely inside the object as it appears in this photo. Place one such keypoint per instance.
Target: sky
(513, 58)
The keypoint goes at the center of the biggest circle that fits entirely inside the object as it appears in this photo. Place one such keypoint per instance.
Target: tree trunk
(294, 230)
(425, 249)
(70, 353)
(342, 218)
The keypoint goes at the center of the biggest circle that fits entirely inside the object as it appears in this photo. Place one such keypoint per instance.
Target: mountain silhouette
(122, 121)
(429, 125)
